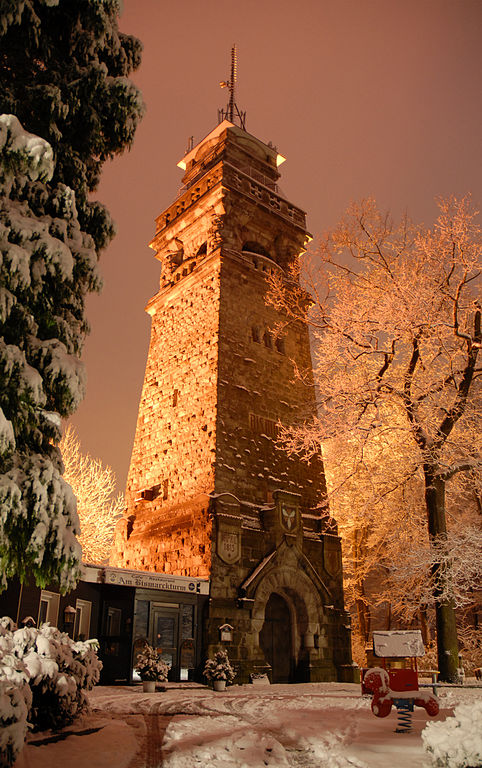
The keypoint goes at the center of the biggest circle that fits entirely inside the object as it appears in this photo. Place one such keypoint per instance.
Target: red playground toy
(395, 681)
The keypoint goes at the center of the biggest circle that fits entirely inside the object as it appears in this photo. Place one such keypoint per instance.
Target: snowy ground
(184, 726)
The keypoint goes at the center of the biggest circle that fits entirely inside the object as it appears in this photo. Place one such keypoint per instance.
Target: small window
(165, 489)
(280, 346)
(250, 246)
(113, 621)
(255, 335)
(83, 610)
(267, 340)
(48, 608)
(175, 397)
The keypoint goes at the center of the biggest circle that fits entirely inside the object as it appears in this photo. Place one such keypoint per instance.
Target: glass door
(164, 635)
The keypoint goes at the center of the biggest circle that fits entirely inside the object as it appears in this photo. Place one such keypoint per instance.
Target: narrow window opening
(250, 246)
(255, 334)
(267, 340)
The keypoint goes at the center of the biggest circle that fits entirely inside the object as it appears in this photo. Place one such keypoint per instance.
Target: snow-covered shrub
(15, 696)
(60, 670)
(13, 721)
(456, 742)
(150, 665)
(50, 671)
(219, 668)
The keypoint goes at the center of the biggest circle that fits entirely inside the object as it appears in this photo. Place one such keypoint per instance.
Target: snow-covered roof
(397, 643)
(191, 154)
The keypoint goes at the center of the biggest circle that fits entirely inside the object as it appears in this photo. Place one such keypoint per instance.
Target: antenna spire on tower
(232, 112)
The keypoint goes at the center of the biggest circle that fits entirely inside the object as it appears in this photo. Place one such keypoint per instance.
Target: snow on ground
(184, 726)
(92, 742)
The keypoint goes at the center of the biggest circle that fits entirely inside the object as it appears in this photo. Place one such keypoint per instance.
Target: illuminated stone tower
(208, 493)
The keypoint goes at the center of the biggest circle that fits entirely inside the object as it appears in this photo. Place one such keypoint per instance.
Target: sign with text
(124, 578)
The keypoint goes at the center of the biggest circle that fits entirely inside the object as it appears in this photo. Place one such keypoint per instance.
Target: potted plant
(219, 671)
(151, 668)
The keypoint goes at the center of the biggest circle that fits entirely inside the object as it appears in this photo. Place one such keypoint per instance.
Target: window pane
(187, 619)
(113, 621)
(164, 632)
(42, 614)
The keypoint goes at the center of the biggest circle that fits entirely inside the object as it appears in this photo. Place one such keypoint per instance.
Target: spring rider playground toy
(395, 681)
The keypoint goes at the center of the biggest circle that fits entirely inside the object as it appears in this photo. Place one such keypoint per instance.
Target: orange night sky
(363, 97)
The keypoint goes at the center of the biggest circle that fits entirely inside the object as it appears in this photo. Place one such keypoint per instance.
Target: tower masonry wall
(173, 458)
(258, 388)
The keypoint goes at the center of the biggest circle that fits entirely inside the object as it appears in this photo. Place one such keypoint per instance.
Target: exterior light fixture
(69, 617)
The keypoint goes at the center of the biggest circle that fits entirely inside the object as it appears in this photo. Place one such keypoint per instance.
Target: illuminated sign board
(123, 578)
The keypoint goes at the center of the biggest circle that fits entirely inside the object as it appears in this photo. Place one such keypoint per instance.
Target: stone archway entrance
(275, 638)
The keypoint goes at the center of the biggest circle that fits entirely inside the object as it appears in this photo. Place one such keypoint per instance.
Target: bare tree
(94, 486)
(397, 326)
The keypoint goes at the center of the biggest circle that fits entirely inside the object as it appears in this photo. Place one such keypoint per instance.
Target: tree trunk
(363, 614)
(447, 645)
(424, 625)
(361, 605)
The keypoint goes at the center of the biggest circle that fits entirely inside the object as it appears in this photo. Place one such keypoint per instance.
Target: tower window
(250, 246)
(175, 397)
(262, 425)
(255, 335)
(280, 346)
(267, 340)
(165, 489)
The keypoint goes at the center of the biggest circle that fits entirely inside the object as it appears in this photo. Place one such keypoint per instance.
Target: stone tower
(208, 493)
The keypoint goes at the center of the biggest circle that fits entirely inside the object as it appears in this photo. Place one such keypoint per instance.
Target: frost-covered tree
(63, 73)
(98, 507)
(396, 317)
(387, 558)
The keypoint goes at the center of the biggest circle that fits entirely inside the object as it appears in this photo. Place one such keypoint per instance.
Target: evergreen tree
(63, 67)
(47, 265)
(63, 73)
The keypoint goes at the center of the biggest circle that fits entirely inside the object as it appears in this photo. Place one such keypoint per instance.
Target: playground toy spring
(404, 713)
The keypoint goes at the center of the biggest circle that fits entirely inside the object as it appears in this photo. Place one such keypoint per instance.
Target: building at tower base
(209, 494)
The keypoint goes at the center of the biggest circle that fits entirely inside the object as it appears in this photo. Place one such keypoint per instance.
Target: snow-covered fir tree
(63, 67)
(63, 73)
(47, 266)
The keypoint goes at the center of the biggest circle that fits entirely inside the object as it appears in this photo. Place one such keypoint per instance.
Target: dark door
(275, 638)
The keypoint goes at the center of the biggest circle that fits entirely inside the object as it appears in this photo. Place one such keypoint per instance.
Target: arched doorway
(275, 638)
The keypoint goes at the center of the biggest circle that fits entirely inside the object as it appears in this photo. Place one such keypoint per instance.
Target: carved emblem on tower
(229, 545)
(332, 556)
(289, 518)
